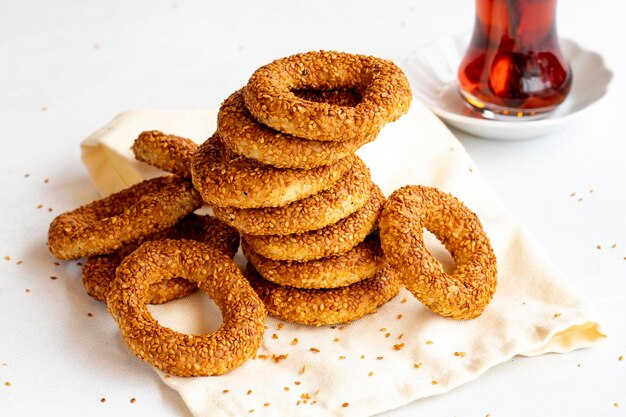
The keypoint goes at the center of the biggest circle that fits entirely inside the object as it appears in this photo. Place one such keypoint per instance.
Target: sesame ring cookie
(99, 271)
(361, 262)
(460, 295)
(237, 339)
(105, 225)
(332, 240)
(167, 152)
(244, 136)
(318, 307)
(385, 95)
(227, 179)
(343, 198)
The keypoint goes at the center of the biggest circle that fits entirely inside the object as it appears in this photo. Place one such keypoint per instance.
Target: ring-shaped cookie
(99, 271)
(167, 152)
(385, 91)
(327, 207)
(332, 240)
(359, 263)
(462, 294)
(105, 225)
(226, 179)
(243, 313)
(329, 306)
(245, 136)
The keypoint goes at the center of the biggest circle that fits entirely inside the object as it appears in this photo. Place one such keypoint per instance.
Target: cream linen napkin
(401, 353)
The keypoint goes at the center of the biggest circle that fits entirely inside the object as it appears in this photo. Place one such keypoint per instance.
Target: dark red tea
(514, 65)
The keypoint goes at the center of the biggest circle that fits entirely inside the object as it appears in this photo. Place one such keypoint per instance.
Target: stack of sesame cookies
(281, 169)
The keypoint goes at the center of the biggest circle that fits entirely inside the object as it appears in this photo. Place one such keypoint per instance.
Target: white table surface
(67, 67)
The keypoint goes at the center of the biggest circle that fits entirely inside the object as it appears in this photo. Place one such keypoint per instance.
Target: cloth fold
(403, 352)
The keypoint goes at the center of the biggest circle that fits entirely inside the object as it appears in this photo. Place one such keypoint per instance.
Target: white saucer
(432, 72)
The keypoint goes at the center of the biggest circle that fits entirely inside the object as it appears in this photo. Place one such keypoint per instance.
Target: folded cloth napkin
(401, 353)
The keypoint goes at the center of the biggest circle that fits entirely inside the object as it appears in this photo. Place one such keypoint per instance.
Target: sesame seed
(388, 334)
(297, 383)
(249, 392)
(336, 339)
(399, 317)
(133, 400)
(7, 384)
(27, 289)
(401, 336)
(103, 400)
(251, 411)
(370, 374)
(557, 315)
(417, 365)
(341, 358)
(274, 336)
(53, 278)
(89, 315)
(614, 245)
(621, 358)
(616, 405)
(294, 341)
(19, 262)
(46, 181)
(404, 300)
(344, 405)
(380, 358)
(383, 329)
(434, 382)
(572, 194)
(281, 326)
(26, 175)
(278, 358)
(460, 354)
(599, 246)
(580, 199)
(39, 206)
(429, 342)
(225, 391)
(266, 405)
(286, 388)
(399, 346)
(314, 350)
(7, 258)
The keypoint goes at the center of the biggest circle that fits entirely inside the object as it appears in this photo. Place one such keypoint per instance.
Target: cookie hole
(195, 314)
(340, 97)
(439, 252)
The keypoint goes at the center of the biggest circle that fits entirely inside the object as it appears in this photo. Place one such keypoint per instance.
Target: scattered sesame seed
(249, 392)
(314, 350)
(103, 400)
(344, 405)
(281, 326)
(383, 329)
(388, 334)
(591, 190)
(557, 315)
(305, 396)
(27, 289)
(50, 209)
(278, 358)
(251, 411)
(614, 245)
(429, 342)
(133, 400)
(7, 258)
(379, 358)
(370, 374)
(20, 262)
(263, 357)
(286, 388)
(599, 246)
(7, 384)
(434, 382)
(44, 109)
(401, 336)
(79, 263)
(303, 370)
(471, 170)
(46, 181)
(417, 365)
(403, 300)
(399, 317)
(317, 392)
(461, 354)
(26, 175)
(336, 339)
(294, 341)
(578, 366)
(341, 327)
(57, 263)
(274, 336)
(266, 405)
(399, 346)
(225, 391)
(39, 206)
(297, 382)
(53, 278)
(341, 358)
(621, 358)
(572, 194)
(362, 356)
(615, 405)
(298, 402)
(580, 199)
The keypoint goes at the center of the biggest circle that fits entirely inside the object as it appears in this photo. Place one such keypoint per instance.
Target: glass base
(495, 112)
